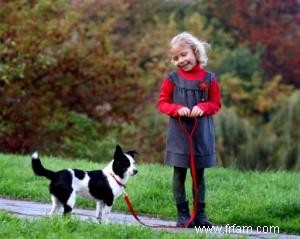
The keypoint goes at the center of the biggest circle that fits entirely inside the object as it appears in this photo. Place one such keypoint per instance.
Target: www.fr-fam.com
(238, 229)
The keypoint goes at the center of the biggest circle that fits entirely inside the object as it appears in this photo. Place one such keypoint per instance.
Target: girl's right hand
(184, 111)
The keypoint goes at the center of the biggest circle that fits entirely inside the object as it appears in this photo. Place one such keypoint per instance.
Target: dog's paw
(99, 220)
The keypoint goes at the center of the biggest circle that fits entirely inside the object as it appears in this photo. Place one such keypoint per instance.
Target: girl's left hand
(196, 111)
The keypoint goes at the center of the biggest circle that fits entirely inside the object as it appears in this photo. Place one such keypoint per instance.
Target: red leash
(193, 167)
(194, 178)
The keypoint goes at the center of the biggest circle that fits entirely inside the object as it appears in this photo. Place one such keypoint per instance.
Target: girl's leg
(201, 218)
(179, 176)
(201, 185)
(182, 205)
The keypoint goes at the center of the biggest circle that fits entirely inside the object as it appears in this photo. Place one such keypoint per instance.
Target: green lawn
(233, 197)
(70, 228)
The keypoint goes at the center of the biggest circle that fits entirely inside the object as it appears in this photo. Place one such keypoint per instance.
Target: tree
(271, 23)
(285, 126)
(58, 58)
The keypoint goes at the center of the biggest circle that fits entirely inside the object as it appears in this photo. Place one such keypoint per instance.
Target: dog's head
(123, 163)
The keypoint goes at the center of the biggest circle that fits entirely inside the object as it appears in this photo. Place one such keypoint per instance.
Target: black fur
(60, 186)
(99, 187)
(121, 163)
(39, 170)
(79, 173)
(132, 153)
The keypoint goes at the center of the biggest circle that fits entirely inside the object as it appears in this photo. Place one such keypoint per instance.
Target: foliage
(274, 145)
(254, 99)
(55, 60)
(82, 139)
(274, 24)
(286, 128)
(232, 133)
(78, 76)
(243, 62)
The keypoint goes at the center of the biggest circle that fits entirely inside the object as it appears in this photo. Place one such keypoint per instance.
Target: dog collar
(118, 181)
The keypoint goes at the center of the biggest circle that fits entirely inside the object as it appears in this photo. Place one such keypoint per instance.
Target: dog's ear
(118, 152)
(131, 153)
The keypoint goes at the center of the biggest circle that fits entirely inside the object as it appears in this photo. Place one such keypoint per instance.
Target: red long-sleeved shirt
(165, 102)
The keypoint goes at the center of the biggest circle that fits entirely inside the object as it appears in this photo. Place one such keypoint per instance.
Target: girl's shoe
(200, 218)
(183, 215)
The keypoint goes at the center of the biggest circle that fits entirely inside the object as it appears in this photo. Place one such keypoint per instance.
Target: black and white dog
(104, 186)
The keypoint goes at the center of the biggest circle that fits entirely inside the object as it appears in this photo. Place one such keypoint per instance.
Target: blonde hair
(199, 47)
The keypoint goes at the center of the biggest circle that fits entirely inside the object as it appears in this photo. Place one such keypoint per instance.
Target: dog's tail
(38, 168)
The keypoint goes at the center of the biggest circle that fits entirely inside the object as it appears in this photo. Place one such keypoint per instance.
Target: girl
(189, 92)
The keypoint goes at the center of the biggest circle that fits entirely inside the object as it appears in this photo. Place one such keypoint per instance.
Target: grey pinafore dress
(189, 94)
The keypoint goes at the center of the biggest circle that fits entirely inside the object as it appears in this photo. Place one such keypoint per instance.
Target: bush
(56, 58)
(83, 140)
(242, 62)
(232, 133)
(286, 127)
(268, 146)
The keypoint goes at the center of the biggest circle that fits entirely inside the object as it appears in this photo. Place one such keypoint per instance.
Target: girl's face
(183, 56)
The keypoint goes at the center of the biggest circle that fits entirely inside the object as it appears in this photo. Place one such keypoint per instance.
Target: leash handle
(189, 134)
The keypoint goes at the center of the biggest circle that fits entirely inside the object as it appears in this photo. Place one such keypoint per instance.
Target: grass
(70, 228)
(233, 197)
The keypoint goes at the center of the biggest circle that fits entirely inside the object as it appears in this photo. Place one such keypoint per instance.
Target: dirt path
(31, 210)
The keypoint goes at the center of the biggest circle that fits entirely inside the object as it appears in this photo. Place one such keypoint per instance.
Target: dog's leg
(55, 205)
(70, 203)
(99, 208)
(105, 213)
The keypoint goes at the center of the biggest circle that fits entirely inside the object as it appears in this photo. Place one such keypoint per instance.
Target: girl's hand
(184, 111)
(196, 111)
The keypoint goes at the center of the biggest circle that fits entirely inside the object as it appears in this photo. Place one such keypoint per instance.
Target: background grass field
(233, 197)
(70, 228)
